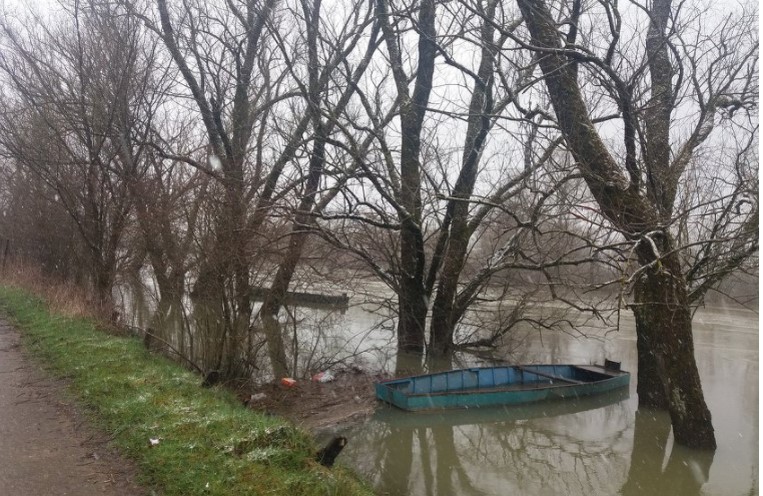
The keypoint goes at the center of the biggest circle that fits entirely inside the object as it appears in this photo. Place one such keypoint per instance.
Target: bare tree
(412, 299)
(637, 190)
(324, 115)
(221, 53)
(377, 204)
(36, 230)
(270, 131)
(80, 94)
(168, 200)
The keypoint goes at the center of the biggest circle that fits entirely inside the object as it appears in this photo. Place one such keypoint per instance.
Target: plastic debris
(258, 397)
(154, 441)
(326, 376)
(288, 382)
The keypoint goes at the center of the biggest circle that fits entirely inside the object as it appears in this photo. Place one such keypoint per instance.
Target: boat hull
(495, 386)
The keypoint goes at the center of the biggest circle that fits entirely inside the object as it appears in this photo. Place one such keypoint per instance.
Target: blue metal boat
(501, 413)
(504, 385)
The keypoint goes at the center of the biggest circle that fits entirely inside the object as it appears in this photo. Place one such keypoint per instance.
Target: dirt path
(46, 448)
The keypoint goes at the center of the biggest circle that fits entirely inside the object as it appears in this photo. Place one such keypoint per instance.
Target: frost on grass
(267, 455)
(142, 398)
(273, 444)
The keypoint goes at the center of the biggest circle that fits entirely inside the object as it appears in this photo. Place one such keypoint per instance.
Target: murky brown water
(599, 446)
(595, 446)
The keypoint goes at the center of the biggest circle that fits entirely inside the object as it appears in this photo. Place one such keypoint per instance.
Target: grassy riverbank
(204, 441)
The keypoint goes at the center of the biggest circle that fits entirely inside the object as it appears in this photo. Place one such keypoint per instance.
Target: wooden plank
(550, 376)
(598, 369)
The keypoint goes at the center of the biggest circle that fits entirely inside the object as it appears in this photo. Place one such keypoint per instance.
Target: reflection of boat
(505, 385)
(505, 413)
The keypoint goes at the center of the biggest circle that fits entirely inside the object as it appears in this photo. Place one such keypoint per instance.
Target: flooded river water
(597, 446)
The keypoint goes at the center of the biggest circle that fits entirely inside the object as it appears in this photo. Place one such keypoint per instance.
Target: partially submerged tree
(417, 208)
(268, 124)
(412, 298)
(335, 75)
(637, 190)
(168, 201)
(204, 41)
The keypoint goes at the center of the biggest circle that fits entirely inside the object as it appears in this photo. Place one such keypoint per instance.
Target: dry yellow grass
(63, 298)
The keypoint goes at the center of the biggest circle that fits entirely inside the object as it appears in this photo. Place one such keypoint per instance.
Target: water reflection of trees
(584, 453)
(685, 471)
(316, 336)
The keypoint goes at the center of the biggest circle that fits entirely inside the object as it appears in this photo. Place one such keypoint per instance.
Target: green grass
(208, 443)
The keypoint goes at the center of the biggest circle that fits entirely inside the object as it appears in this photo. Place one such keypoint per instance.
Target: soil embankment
(46, 447)
(316, 406)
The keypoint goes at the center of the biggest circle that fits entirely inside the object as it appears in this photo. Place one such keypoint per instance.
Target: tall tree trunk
(240, 316)
(651, 392)
(665, 317)
(412, 307)
(671, 377)
(222, 292)
(103, 276)
(443, 326)
(658, 186)
(277, 294)
(412, 295)
(457, 234)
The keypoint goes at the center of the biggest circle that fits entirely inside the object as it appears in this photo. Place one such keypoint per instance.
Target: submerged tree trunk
(222, 291)
(443, 325)
(412, 304)
(457, 235)
(412, 295)
(670, 375)
(297, 239)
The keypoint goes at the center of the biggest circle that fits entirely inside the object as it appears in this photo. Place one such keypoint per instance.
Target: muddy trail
(47, 446)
